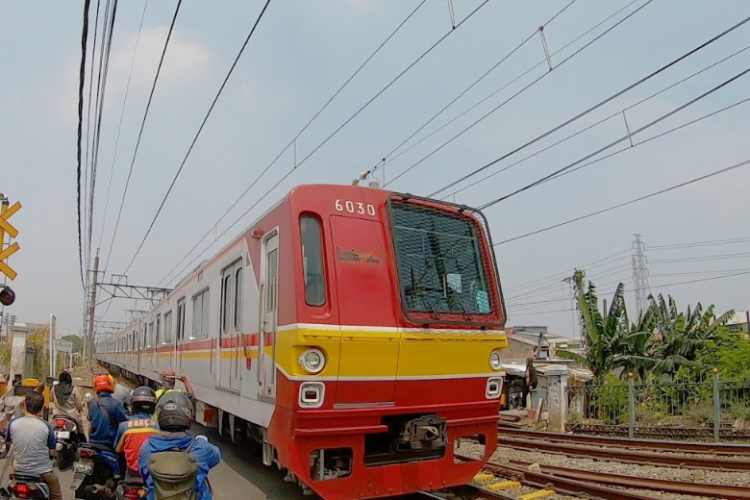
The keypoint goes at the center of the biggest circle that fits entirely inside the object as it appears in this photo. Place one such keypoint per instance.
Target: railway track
(644, 483)
(640, 444)
(509, 482)
(622, 454)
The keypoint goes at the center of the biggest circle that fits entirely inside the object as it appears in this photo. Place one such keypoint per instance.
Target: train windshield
(440, 264)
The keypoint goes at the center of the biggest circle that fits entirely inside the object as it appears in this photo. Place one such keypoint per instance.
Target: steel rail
(674, 446)
(559, 484)
(645, 483)
(624, 455)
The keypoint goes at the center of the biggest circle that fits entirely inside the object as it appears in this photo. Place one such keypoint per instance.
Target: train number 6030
(355, 207)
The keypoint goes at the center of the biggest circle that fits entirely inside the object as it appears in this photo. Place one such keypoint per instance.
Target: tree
(610, 343)
(680, 336)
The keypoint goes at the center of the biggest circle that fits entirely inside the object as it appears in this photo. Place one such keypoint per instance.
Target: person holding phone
(168, 380)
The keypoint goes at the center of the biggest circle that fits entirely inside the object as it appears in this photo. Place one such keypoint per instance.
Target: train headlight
(496, 361)
(312, 360)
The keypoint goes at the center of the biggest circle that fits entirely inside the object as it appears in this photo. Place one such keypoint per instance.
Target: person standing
(168, 378)
(34, 445)
(121, 393)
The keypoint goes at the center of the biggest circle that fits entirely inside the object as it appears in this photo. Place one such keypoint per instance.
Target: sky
(301, 54)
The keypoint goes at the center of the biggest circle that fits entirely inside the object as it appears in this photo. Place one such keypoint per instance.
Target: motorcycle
(66, 432)
(98, 469)
(21, 486)
(131, 488)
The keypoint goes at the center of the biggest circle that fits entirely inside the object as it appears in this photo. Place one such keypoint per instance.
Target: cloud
(184, 59)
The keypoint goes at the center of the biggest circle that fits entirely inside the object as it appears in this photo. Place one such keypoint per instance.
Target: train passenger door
(365, 299)
(229, 329)
(269, 315)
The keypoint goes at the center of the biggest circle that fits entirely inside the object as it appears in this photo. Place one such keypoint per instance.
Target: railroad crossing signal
(7, 296)
(6, 212)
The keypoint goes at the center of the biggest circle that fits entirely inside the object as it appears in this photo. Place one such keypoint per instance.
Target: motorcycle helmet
(175, 412)
(144, 400)
(103, 383)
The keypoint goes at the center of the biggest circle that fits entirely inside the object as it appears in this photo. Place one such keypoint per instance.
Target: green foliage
(611, 342)
(729, 352)
(665, 343)
(77, 342)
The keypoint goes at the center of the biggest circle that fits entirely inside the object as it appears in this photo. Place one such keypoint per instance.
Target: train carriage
(355, 333)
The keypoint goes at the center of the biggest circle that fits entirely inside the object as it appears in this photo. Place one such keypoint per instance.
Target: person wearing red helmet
(105, 412)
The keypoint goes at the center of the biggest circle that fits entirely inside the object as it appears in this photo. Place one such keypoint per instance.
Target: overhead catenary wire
(518, 93)
(294, 139)
(198, 133)
(119, 125)
(616, 114)
(476, 81)
(140, 131)
(511, 82)
(630, 202)
(597, 105)
(290, 172)
(81, 85)
(566, 169)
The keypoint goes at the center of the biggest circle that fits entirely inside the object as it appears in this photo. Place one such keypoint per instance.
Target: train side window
(151, 334)
(200, 315)
(181, 320)
(159, 339)
(312, 260)
(168, 338)
(238, 298)
(226, 301)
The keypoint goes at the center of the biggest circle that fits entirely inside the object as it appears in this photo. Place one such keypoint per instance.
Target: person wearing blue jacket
(105, 412)
(175, 413)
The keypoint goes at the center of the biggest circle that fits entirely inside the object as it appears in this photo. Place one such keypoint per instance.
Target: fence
(711, 408)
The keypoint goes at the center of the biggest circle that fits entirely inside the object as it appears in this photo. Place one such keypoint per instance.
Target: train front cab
(375, 409)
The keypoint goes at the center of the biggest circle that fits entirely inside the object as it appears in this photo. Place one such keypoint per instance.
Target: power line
(414, 63)
(270, 165)
(596, 106)
(604, 260)
(475, 83)
(630, 202)
(88, 133)
(198, 133)
(694, 244)
(119, 126)
(140, 131)
(289, 173)
(492, 94)
(81, 85)
(564, 170)
(107, 33)
(700, 273)
(524, 89)
(701, 258)
(603, 120)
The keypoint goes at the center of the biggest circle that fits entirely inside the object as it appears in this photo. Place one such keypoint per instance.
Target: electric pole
(640, 275)
(92, 307)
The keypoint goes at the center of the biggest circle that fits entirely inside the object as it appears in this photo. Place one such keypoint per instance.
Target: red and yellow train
(355, 333)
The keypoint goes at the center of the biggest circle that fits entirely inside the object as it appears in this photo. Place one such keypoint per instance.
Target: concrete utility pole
(92, 307)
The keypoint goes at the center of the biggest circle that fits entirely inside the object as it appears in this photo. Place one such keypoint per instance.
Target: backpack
(174, 474)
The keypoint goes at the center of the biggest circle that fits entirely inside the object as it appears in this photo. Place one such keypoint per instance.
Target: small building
(740, 322)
